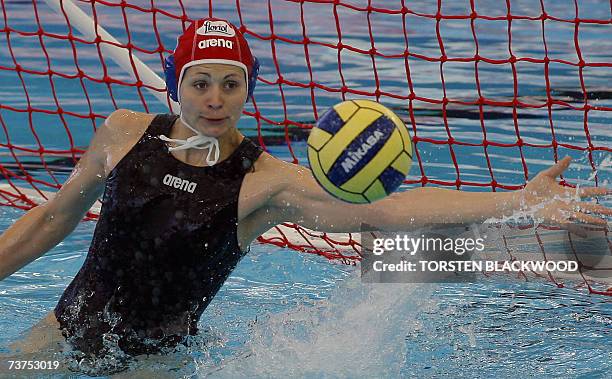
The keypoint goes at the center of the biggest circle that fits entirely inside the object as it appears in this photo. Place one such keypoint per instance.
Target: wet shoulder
(269, 172)
(265, 163)
(124, 128)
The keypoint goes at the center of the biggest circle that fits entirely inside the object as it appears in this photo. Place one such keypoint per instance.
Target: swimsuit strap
(161, 124)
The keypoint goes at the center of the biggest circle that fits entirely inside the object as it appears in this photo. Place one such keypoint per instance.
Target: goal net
(492, 92)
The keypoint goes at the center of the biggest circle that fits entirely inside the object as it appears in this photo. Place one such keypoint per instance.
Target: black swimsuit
(165, 242)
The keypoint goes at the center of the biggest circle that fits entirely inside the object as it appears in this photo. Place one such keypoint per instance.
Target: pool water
(282, 313)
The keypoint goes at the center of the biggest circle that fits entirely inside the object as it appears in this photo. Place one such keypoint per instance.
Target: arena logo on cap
(216, 28)
(215, 42)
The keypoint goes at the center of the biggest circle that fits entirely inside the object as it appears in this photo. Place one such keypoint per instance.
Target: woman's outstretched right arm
(46, 225)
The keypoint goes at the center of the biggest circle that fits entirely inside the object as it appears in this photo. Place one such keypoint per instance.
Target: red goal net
(491, 91)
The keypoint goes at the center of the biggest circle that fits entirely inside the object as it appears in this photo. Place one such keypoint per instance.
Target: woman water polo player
(185, 195)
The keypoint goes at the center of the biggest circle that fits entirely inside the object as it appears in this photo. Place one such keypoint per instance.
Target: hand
(562, 205)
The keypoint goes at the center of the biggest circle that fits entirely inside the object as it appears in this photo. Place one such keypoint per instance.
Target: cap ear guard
(172, 87)
(253, 77)
(170, 73)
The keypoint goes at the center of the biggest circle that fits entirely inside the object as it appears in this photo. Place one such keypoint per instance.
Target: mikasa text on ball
(359, 151)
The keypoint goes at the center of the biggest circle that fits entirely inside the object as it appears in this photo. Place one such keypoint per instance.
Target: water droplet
(246, 163)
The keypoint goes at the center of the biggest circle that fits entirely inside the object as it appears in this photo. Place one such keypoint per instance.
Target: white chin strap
(199, 141)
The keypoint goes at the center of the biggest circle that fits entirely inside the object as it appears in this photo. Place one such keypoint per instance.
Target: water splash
(359, 332)
(605, 163)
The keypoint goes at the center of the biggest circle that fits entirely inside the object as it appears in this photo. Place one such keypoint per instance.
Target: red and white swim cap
(213, 40)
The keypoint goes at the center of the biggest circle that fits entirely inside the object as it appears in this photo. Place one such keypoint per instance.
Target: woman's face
(212, 97)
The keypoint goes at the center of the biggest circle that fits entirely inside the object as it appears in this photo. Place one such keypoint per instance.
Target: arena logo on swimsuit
(182, 184)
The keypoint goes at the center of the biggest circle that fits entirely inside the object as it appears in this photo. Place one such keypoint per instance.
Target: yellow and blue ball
(359, 151)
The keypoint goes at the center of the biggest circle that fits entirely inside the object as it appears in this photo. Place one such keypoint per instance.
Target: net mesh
(512, 84)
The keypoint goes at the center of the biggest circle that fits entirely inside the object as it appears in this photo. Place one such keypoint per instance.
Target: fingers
(594, 191)
(578, 218)
(558, 168)
(593, 208)
(587, 213)
(575, 216)
(587, 219)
